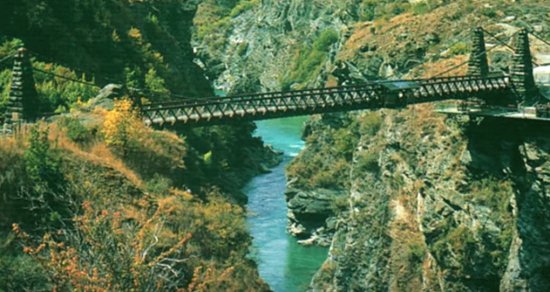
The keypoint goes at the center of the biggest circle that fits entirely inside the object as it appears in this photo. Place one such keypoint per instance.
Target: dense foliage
(332, 141)
(106, 207)
(109, 38)
(96, 200)
(214, 21)
(141, 44)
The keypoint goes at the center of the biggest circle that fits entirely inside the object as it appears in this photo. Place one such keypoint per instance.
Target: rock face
(263, 42)
(412, 200)
(529, 264)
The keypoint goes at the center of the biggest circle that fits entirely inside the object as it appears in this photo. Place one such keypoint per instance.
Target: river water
(282, 262)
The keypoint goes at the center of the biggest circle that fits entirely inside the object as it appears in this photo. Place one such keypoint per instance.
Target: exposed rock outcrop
(310, 214)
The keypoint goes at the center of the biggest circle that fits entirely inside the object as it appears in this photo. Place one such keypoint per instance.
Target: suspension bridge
(512, 95)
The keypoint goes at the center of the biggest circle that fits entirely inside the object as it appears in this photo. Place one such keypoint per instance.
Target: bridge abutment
(478, 64)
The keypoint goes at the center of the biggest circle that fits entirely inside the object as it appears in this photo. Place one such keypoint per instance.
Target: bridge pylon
(478, 64)
(521, 72)
(23, 99)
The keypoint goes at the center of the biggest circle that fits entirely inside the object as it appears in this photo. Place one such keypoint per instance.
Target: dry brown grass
(431, 69)
(407, 31)
(98, 154)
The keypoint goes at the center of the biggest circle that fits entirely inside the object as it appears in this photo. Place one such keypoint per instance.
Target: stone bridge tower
(521, 72)
(23, 99)
(478, 64)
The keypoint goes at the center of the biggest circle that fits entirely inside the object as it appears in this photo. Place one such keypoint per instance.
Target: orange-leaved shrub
(147, 246)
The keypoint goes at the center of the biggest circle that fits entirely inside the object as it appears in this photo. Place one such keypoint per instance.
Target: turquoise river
(283, 263)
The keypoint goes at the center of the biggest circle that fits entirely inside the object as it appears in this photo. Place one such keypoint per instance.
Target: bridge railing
(261, 97)
(382, 94)
(307, 92)
(244, 96)
(298, 93)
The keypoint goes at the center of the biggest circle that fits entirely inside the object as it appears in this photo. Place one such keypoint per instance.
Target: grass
(244, 5)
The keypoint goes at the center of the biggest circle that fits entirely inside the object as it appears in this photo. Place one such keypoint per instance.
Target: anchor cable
(540, 38)
(507, 45)
(8, 57)
(462, 64)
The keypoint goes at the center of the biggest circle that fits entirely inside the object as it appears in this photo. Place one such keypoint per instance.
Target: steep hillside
(108, 206)
(415, 200)
(93, 199)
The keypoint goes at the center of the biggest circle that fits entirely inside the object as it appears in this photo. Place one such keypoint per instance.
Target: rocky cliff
(260, 44)
(410, 199)
(443, 204)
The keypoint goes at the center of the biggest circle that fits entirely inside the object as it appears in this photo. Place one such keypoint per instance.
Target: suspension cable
(135, 89)
(499, 40)
(65, 77)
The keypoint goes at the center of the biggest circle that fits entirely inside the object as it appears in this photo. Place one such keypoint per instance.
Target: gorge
(420, 201)
(400, 199)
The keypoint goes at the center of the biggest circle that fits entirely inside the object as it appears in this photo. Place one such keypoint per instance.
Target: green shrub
(159, 185)
(459, 48)
(458, 242)
(9, 46)
(416, 253)
(42, 164)
(368, 161)
(75, 130)
(495, 194)
(5, 79)
(339, 204)
(489, 12)
(19, 272)
(57, 94)
(421, 8)
(370, 123)
(308, 60)
(370, 10)
(155, 83)
(46, 199)
(325, 40)
(242, 49)
(323, 179)
(367, 10)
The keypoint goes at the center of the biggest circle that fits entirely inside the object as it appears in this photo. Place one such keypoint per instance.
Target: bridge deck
(375, 95)
(527, 113)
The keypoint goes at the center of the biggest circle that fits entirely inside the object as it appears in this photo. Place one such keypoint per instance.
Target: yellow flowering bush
(125, 132)
(122, 125)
